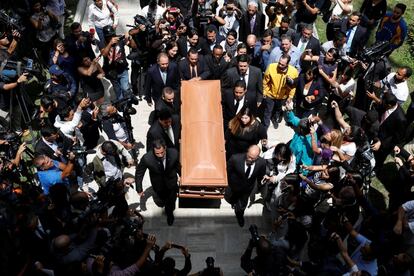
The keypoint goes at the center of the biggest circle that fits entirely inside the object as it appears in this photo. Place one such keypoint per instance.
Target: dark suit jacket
(160, 179)
(391, 132)
(201, 47)
(229, 110)
(313, 43)
(175, 108)
(63, 142)
(360, 37)
(258, 29)
(316, 85)
(237, 180)
(217, 69)
(202, 69)
(157, 132)
(254, 86)
(154, 84)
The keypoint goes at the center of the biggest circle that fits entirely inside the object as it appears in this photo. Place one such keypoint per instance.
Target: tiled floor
(206, 229)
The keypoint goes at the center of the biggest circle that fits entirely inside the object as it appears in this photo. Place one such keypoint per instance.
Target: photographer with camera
(115, 62)
(108, 162)
(61, 84)
(210, 270)
(45, 23)
(51, 172)
(53, 143)
(142, 33)
(166, 266)
(79, 43)
(153, 11)
(114, 125)
(265, 262)
(231, 15)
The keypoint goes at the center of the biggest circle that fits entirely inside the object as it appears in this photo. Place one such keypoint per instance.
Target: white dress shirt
(102, 17)
(251, 169)
(241, 104)
(400, 90)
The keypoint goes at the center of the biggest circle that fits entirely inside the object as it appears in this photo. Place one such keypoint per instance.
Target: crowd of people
(66, 139)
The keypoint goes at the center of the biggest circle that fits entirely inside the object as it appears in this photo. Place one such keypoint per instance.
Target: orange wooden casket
(203, 172)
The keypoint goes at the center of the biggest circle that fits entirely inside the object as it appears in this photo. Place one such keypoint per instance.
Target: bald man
(243, 170)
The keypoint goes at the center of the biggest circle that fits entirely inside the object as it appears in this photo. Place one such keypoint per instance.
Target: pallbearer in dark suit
(193, 67)
(167, 127)
(243, 170)
(164, 170)
(163, 74)
(232, 103)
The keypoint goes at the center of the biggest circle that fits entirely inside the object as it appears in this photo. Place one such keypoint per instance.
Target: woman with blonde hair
(244, 130)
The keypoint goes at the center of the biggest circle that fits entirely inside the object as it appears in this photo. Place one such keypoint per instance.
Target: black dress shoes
(170, 219)
(240, 219)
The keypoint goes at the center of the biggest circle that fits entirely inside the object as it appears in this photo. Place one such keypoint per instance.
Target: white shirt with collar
(52, 145)
(387, 113)
(302, 44)
(400, 90)
(350, 39)
(102, 17)
(246, 77)
(251, 168)
(241, 103)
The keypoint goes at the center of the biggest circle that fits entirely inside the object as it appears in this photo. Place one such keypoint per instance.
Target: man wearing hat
(60, 83)
(115, 62)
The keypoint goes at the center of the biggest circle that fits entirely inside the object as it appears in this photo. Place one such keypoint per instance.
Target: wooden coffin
(202, 152)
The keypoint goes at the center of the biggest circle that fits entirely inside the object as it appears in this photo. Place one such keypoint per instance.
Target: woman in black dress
(244, 130)
(91, 74)
(309, 93)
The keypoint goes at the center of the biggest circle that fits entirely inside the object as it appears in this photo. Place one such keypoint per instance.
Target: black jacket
(157, 132)
(160, 179)
(236, 177)
(154, 84)
(202, 69)
(254, 85)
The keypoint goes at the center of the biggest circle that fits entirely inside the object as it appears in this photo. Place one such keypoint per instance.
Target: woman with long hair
(309, 93)
(244, 130)
(60, 56)
(171, 49)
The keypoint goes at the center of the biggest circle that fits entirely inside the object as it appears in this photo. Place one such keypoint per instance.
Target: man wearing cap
(60, 83)
(115, 62)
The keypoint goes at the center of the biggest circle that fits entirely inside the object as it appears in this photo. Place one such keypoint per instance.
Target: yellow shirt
(274, 82)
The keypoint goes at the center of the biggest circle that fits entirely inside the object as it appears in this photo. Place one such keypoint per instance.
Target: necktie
(348, 40)
(252, 21)
(249, 168)
(193, 72)
(164, 77)
(236, 106)
(162, 164)
(170, 134)
(243, 78)
(302, 47)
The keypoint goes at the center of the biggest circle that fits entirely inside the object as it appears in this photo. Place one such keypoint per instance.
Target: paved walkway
(207, 228)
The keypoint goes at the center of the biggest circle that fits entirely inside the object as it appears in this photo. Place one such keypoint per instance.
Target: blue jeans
(272, 110)
(121, 84)
(99, 32)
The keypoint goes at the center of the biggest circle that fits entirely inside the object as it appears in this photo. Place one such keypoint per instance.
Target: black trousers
(166, 198)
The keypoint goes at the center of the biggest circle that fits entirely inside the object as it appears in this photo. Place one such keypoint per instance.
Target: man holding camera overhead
(115, 63)
(278, 88)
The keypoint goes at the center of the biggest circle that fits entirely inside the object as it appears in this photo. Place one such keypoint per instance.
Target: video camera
(375, 52)
(205, 15)
(13, 69)
(125, 104)
(147, 22)
(254, 232)
(11, 22)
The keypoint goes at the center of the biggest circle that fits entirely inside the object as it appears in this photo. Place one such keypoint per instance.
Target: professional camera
(79, 150)
(95, 207)
(141, 20)
(205, 15)
(125, 104)
(254, 232)
(12, 22)
(375, 52)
